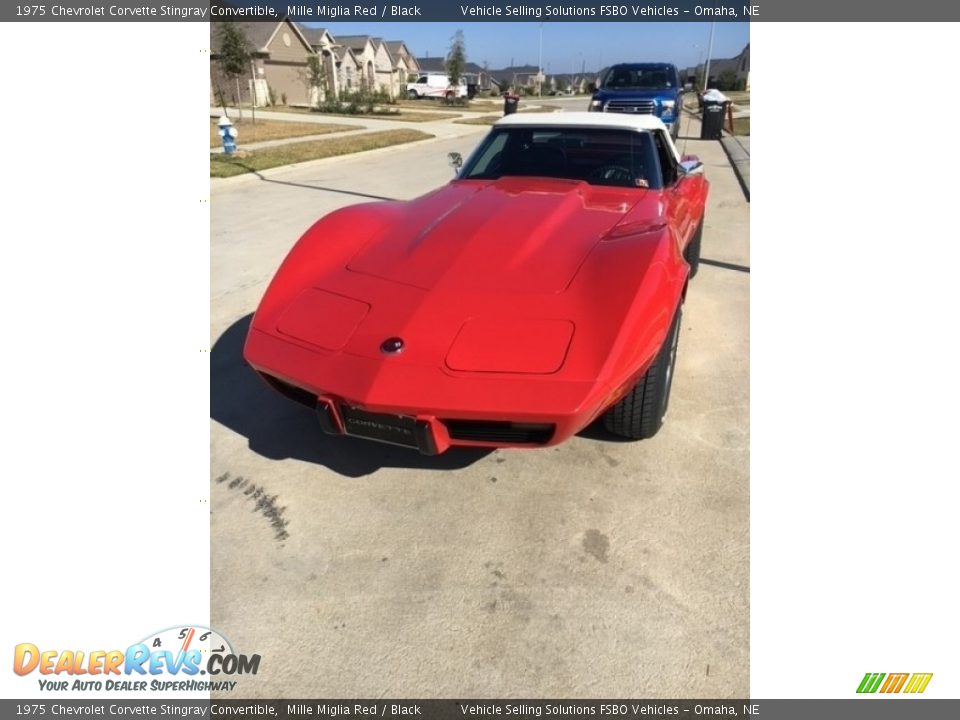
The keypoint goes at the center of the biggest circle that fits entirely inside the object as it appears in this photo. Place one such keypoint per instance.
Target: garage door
(287, 79)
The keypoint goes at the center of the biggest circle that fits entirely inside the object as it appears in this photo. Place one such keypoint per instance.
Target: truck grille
(637, 107)
(499, 432)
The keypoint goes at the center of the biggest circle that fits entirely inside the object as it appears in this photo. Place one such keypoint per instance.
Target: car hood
(513, 235)
(479, 276)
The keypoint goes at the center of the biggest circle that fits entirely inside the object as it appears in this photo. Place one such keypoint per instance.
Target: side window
(491, 158)
(422, 80)
(668, 163)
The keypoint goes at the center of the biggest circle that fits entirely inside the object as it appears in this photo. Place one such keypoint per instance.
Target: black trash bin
(711, 126)
(510, 103)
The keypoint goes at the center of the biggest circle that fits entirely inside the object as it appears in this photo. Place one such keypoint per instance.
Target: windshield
(649, 78)
(599, 156)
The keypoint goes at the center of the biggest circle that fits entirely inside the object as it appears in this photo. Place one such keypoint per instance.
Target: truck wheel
(639, 414)
(692, 253)
(412, 94)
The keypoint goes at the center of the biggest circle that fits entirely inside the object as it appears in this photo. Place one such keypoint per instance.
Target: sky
(566, 46)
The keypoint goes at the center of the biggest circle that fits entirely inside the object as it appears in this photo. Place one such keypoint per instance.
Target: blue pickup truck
(641, 88)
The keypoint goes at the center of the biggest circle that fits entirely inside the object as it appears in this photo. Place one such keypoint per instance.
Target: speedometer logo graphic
(182, 639)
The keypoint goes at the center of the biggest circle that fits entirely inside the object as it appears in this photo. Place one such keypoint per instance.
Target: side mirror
(455, 160)
(691, 167)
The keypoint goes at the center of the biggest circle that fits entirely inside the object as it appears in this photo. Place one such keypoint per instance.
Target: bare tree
(317, 77)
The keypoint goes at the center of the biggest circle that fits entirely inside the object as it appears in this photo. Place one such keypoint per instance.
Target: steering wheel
(611, 174)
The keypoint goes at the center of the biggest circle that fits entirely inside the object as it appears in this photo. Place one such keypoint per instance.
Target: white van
(435, 85)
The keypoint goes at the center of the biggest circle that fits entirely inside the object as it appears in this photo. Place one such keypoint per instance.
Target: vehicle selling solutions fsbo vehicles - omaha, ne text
(538, 291)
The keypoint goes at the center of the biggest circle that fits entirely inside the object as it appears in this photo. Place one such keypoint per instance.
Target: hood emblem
(392, 346)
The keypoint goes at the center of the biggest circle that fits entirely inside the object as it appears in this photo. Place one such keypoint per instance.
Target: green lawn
(226, 166)
(272, 130)
(739, 97)
(479, 120)
(385, 112)
(475, 106)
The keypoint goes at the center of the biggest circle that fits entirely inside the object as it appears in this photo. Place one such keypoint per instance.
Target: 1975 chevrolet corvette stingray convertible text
(538, 291)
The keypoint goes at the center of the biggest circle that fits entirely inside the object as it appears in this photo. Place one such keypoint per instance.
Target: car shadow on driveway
(352, 193)
(278, 429)
(597, 431)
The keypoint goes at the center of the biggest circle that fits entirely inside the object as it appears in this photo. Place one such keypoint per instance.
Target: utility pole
(540, 67)
(253, 91)
(706, 72)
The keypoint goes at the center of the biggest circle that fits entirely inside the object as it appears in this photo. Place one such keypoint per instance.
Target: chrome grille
(637, 107)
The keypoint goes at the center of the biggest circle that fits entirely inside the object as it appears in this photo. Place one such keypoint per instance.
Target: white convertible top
(622, 121)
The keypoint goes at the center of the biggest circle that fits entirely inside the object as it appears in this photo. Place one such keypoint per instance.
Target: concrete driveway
(594, 569)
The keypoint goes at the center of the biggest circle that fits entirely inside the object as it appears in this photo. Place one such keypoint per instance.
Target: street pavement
(594, 569)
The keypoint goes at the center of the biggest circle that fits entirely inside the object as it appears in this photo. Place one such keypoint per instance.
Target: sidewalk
(737, 148)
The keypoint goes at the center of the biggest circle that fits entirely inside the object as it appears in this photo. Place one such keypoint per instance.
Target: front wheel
(412, 94)
(639, 414)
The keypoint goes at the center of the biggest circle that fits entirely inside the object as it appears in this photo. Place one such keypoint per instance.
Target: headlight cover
(596, 106)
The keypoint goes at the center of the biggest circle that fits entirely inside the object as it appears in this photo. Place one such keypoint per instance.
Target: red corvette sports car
(538, 291)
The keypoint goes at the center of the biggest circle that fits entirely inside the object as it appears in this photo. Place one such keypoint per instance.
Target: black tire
(692, 253)
(412, 94)
(639, 414)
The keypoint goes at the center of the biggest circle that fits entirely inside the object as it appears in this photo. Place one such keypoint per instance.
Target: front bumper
(669, 120)
(428, 434)
(420, 407)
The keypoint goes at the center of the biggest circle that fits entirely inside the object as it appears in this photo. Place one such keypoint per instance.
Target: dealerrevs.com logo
(183, 658)
(910, 683)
